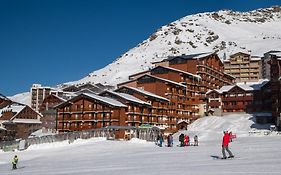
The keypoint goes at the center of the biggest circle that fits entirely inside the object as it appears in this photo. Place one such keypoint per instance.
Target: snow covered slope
(224, 31)
(212, 127)
(24, 98)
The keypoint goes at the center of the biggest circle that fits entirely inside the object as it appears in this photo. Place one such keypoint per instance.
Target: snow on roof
(13, 107)
(253, 85)
(107, 100)
(31, 121)
(225, 88)
(255, 58)
(277, 54)
(165, 80)
(191, 56)
(181, 71)
(147, 93)
(128, 97)
(245, 87)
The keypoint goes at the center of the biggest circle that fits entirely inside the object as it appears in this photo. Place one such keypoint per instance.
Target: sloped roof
(179, 71)
(190, 56)
(127, 97)
(15, 108)
(143, 92)
(163, 79)
(106, 100)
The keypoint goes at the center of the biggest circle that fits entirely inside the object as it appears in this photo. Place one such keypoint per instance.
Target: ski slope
(254, 154)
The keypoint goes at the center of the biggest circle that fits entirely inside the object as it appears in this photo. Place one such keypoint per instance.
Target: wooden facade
(255, 98)
(207, 65)
(49, 112)
(89, 111)
(19, 121)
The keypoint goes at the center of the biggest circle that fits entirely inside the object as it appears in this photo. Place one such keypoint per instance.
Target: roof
(106, 100)
(163, 79)
(239, 53)
(127, 97)
(247, 86)
(144, 93)
(191, 56)
(16, 108)
(4, 97)
(180, 71)
(225, 88)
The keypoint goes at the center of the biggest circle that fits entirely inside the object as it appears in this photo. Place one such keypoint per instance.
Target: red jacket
(226, 139)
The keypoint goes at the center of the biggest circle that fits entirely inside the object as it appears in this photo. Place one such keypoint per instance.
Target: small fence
(149, 134)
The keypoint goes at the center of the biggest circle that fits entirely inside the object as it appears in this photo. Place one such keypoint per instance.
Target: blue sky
(55, 41)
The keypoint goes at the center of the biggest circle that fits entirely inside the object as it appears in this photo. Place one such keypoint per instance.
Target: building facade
(244, 67)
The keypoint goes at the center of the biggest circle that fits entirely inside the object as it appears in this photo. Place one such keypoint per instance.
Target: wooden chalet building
(18, 121)
(206, 65)
(89, 111)
(251, 98)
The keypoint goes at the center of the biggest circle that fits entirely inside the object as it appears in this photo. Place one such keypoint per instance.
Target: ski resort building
(244, 67)
(242, 97)
(170, 96)
(18, 121)
(206, 65)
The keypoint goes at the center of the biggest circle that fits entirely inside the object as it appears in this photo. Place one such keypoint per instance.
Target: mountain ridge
(224, 32)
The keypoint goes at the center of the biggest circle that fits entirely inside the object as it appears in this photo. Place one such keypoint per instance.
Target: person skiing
(170, 140)
(15, 161)
(225, 143)
(195, 140)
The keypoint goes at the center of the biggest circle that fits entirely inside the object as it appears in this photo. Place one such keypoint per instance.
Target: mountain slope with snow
(225, 32)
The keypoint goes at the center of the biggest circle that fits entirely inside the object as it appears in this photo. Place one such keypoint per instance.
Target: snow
(254, 154)
(147, 93)
(129, 97)
(16, 108)
(24, 98)
(106, 100)
(254, 32)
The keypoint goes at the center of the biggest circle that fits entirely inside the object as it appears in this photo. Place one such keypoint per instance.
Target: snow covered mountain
(225, 32)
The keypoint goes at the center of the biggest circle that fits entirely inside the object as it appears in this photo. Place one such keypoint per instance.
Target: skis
(221, 158)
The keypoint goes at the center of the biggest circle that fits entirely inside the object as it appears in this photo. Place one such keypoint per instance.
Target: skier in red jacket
(225, 142)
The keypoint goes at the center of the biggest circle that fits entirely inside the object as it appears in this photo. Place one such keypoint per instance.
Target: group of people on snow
(184, 140)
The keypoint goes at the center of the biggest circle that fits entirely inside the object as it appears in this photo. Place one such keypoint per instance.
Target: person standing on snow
(181, 139)
(186, 140)
(161, 140)
(195, 140)
(15, 162)
(225, 143)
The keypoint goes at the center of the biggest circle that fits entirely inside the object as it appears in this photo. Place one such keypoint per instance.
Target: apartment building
(39, 93)
(244, 67)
